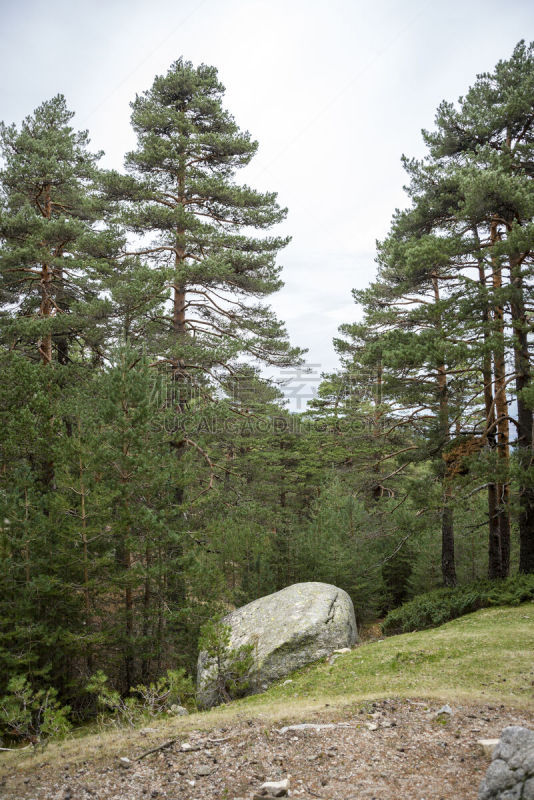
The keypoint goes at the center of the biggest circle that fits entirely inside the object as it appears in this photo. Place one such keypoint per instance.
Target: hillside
(383, 699)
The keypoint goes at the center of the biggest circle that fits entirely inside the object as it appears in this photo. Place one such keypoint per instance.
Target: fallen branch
(15, 749)
(156, 749)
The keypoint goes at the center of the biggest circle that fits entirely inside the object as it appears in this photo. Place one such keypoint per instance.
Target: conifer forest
(152, 475)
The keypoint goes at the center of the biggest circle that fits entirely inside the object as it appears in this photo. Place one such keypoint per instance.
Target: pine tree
(491, 132)
(53, 252)
(181, 198)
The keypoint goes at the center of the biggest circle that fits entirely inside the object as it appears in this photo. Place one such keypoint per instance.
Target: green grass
(487, 656)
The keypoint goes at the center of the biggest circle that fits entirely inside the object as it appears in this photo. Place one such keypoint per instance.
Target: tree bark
(499, 543)
(147, 602)
(45, 308)
(524, 416)
(489, 407)
(85, 550)
(448, 564)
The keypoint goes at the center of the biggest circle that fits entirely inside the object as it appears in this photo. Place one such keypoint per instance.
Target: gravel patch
(388, 750)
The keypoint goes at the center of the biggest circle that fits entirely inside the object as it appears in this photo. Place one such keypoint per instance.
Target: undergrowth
(441, 605)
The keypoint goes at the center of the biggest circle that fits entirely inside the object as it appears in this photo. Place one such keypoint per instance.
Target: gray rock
(275, 788)
(203, 770)
(177, 711)
(510, 775)
(187, 747)
(308, 726)
(488, 746)
(288, 629)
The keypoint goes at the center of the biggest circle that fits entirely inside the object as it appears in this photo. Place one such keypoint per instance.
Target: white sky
(334, 93)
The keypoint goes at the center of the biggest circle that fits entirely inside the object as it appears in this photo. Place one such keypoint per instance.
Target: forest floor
(384, 736)
(387, 750)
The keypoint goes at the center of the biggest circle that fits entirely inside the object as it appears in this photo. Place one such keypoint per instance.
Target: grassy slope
(487, 656)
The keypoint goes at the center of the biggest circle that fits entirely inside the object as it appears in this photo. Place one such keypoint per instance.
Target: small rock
(446, 709)
(487, 746)
(275, 788)
(187, 747)
(289, 680)
(177, 711)
(125, 762)
(371, 726)
(332, 658)
(203, 771)
(306, 726)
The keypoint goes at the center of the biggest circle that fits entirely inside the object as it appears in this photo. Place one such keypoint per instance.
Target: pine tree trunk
(180, 251)
(125, 560)
(85, 556)
(45, 309)
(489, 407)
(129, 662)
(45, 466)
(26, 550)
(499, 545)
(180, 330)
(62, 342)
(147, 601)
(161, 599)
(524, 417)
(448, 564)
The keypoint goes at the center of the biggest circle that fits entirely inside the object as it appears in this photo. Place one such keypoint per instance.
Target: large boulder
(287, 629)
(510, 775)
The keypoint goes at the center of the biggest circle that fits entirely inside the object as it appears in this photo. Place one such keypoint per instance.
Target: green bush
(172, 690)
(33, 715)
(434, 608)
(232, 665)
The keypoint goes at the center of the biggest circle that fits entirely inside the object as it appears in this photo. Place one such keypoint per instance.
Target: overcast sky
(334, 93)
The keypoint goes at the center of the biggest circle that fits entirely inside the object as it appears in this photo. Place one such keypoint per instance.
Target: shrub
(232, 665)
(173, 689)
(434, 608)
(33, 715)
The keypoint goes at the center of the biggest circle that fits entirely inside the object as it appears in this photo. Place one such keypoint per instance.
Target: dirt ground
(388, 750)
